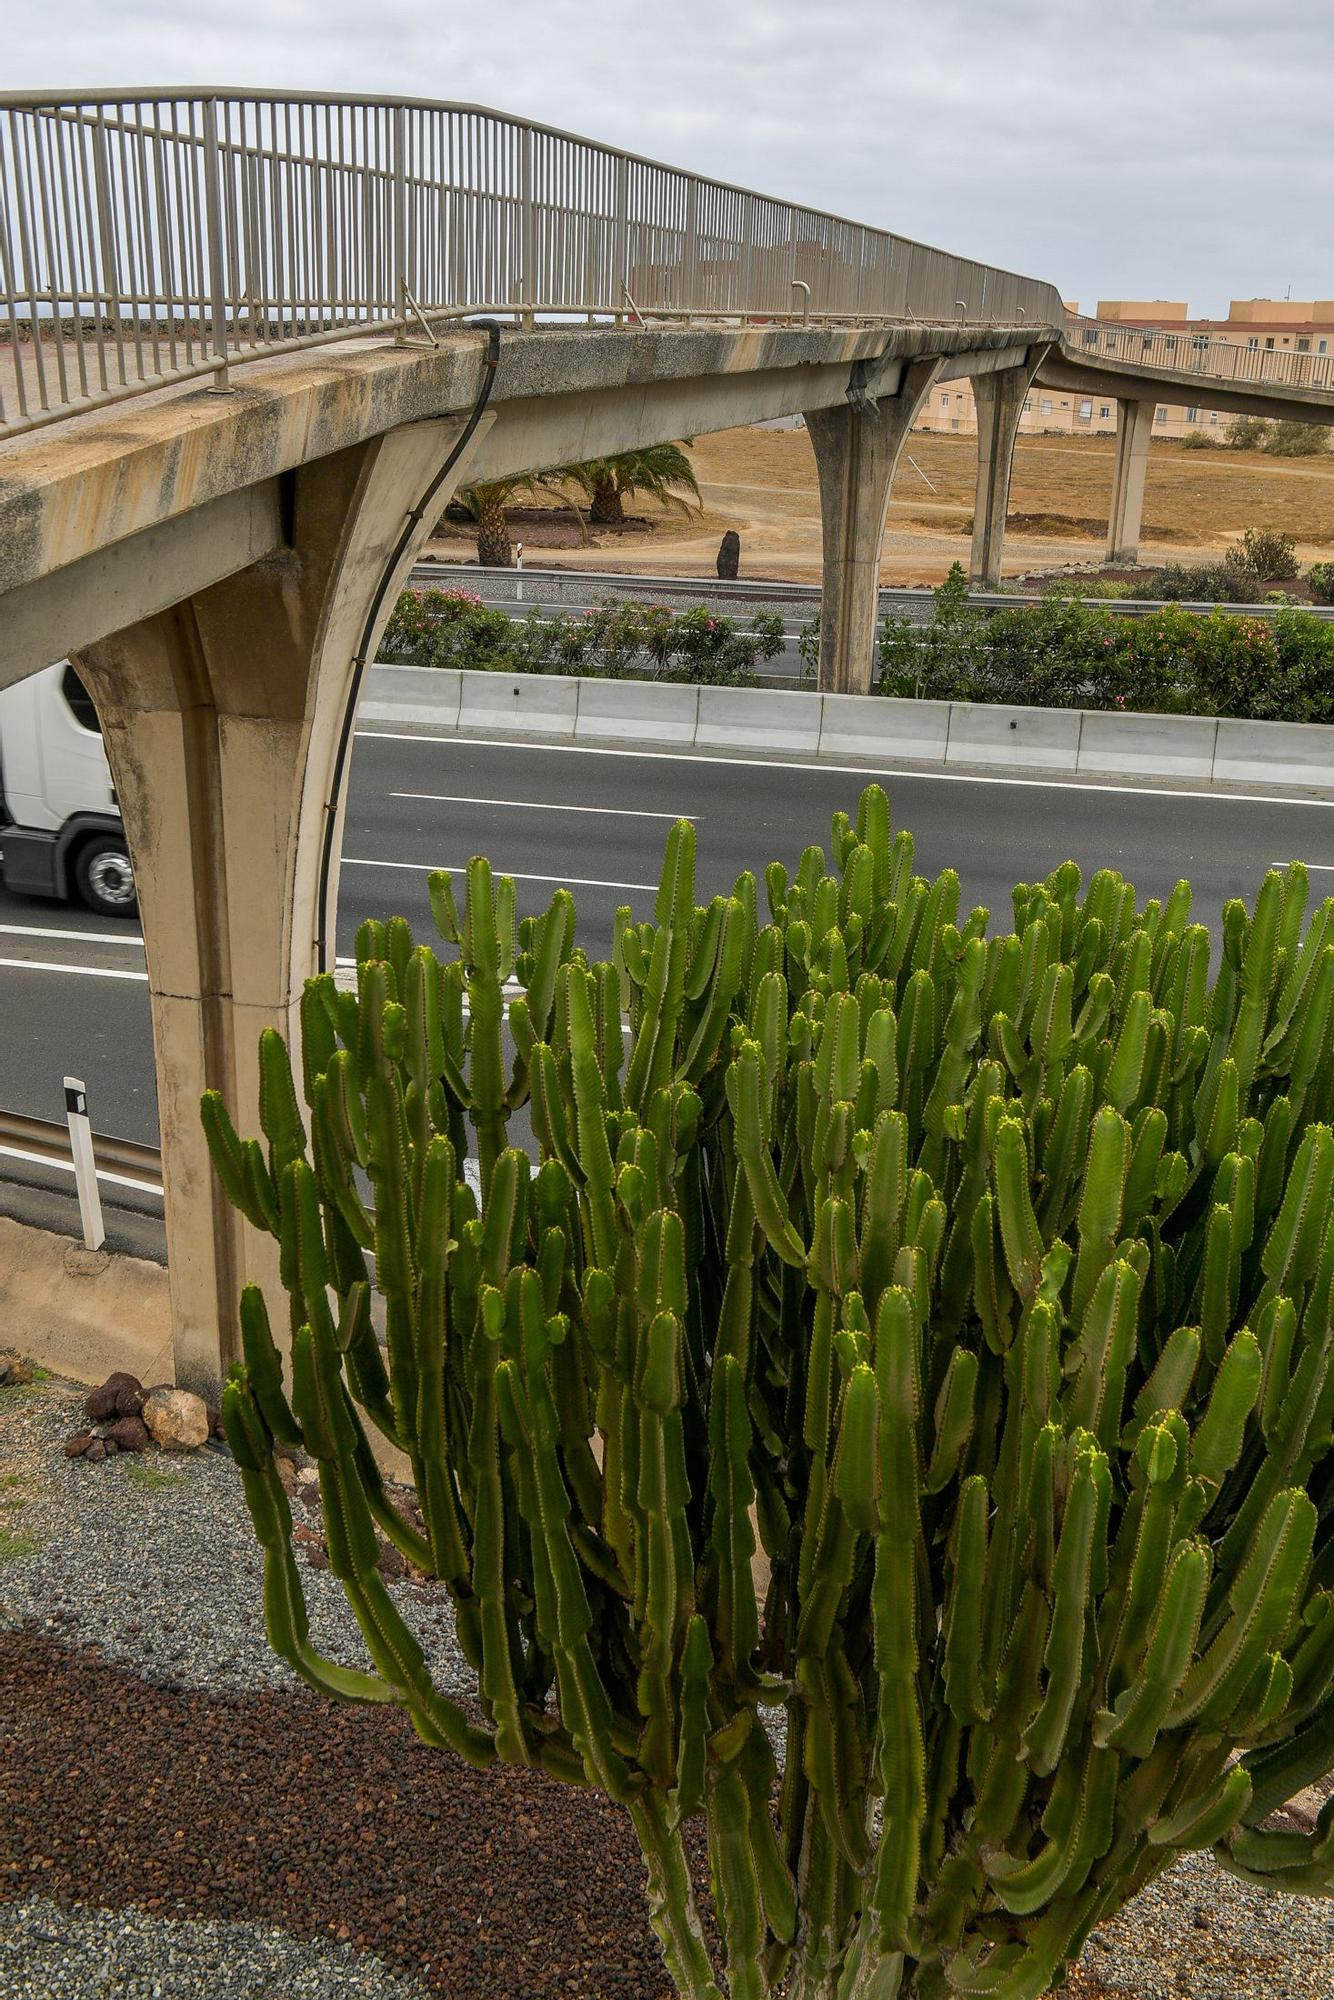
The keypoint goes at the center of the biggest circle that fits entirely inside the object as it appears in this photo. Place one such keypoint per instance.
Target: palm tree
(487, 503)
(658, 470)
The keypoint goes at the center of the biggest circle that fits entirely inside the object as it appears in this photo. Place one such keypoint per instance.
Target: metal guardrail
(44, 1141)
(1210, 355)
(151, 236)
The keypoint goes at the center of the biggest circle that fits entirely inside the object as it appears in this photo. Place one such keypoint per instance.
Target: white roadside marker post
(518, 564)
(85, 1170)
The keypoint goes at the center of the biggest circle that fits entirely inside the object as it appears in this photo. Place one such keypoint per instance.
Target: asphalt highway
(73, 994)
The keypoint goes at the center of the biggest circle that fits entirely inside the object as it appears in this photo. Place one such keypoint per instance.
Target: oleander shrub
(908, 1348)
(616, 640)
(1061, 653)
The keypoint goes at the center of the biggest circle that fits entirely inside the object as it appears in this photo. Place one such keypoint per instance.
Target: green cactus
(911, 1345)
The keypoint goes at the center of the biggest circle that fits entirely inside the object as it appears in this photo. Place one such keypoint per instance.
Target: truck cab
(60, 827)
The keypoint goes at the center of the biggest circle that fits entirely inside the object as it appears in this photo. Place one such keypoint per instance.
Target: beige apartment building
(1304, 326)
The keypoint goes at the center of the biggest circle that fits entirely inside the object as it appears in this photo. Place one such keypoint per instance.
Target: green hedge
(1058, 653)
(618, 641)
(1063, 654)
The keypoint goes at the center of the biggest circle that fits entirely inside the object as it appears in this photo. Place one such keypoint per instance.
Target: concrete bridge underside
(223, 566)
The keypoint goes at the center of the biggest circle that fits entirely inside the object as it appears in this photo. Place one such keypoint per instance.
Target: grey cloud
(1129, 148)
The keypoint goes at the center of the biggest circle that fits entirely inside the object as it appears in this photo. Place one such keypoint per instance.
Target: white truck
(60, 827)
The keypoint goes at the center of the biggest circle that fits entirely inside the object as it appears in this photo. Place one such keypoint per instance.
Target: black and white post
(85, 1169)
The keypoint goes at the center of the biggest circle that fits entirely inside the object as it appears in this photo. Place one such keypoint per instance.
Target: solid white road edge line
(927, 771)
(67, 1167)
(78, 937)
(81, 971)
(539, 805)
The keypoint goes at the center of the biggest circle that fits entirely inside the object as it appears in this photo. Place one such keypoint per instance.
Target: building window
(1104, 409)
(1028, 404)
(1269, 341)
(1322, 347)
(1046, 406)
(1091, 339)
(1191, 414)
(954, 423)
(958, 395)
(944, 401)
(1171, 343)
(1253, 343)
(1213, 417)
(1160, 415)
(1085, 410)
(1303, 347)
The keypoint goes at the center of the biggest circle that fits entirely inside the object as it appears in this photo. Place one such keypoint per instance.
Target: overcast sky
(1131, 149)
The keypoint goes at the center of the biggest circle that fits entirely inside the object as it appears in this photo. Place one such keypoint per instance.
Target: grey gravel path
(154, 1558)
(48, 1952)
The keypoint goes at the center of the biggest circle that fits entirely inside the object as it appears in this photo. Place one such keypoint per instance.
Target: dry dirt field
(762, 483)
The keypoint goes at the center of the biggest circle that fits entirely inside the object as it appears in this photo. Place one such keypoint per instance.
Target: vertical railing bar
(123, 194)
(212, 265)
(66, 143)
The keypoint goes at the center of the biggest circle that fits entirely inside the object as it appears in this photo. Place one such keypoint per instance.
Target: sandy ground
(762, 483)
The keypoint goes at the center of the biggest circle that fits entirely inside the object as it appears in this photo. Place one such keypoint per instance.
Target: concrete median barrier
(637, 711)
(758, 719)
(1158, 746)
(869, 725)
(1275, 753)
(519, 704)
(1029, 739)
(427, 695)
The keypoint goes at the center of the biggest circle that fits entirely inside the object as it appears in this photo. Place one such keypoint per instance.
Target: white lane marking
(78, 937)
(67, 1167)
(429, 868)
(845, 770)
(80, 971)
(539, 805)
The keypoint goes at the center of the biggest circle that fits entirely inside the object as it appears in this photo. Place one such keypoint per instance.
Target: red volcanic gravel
(327, 1820)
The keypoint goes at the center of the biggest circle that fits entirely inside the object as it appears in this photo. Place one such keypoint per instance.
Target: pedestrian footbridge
(250, 344)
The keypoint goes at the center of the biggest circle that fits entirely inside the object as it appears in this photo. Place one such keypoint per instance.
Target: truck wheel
(104, 877)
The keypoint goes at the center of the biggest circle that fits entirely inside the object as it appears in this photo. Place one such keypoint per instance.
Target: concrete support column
(223, 720)
(1134, 428)
(999, 399)
(857, 450)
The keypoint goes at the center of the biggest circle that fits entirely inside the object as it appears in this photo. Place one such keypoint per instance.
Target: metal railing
(46, 1143)
(148, 237)
(1209, 355)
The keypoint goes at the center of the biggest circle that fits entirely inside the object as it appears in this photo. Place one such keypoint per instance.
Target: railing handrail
(185, 94)
(151, 235)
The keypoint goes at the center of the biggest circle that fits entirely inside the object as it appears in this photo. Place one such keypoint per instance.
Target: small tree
(1268, 554)
(1247, 433)
(1293, 440)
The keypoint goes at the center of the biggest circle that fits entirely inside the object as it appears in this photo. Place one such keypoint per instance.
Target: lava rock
(128, 1434)
(96, 1451)
(14, 1369)
(76, 1446)
(729, 554)
(177, 1419)
(121, 1395)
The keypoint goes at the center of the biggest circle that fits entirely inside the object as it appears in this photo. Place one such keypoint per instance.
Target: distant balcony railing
(148, 237)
